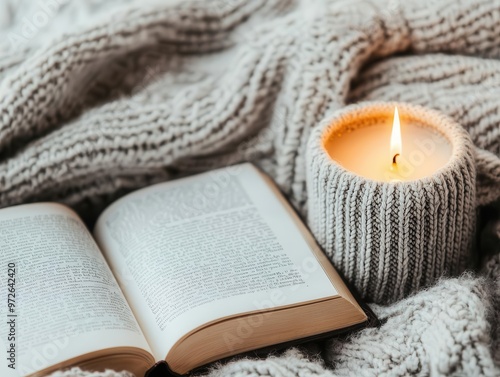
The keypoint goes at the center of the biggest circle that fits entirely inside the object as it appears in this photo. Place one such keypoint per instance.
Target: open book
(188, 271)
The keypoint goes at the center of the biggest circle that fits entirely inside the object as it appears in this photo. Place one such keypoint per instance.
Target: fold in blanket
(104, 97)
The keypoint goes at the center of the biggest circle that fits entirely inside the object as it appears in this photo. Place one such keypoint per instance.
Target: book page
(63, 300)
(198, 249)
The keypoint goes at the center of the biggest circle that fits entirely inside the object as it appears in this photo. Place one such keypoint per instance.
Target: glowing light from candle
(396, 143)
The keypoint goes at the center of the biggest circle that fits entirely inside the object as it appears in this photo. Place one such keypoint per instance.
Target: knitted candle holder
(392, 238)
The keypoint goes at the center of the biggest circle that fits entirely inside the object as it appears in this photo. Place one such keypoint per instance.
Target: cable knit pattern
(138, 92)
(425, 335)
(390, 239)
(288, 73)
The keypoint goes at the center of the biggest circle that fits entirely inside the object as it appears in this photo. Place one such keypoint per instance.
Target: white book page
(66, 300)
(198, 249)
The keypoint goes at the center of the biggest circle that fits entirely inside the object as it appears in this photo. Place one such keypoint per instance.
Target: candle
(391, 197)
(375, 151)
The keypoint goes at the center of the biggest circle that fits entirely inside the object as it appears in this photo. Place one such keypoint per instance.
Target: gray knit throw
(99, 98)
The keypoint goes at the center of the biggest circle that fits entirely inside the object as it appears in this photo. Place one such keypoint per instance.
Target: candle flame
(396, 144)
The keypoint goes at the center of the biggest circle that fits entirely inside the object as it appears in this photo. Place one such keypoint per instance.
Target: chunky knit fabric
(391, 238)
(100, 98)
(77, 372)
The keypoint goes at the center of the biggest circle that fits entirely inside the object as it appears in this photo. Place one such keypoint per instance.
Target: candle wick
(394, 158)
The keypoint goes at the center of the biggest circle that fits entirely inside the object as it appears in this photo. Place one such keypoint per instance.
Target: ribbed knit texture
(140, 92)
(390, 239)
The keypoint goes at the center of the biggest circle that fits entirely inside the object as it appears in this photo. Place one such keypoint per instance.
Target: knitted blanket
(99, 98)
